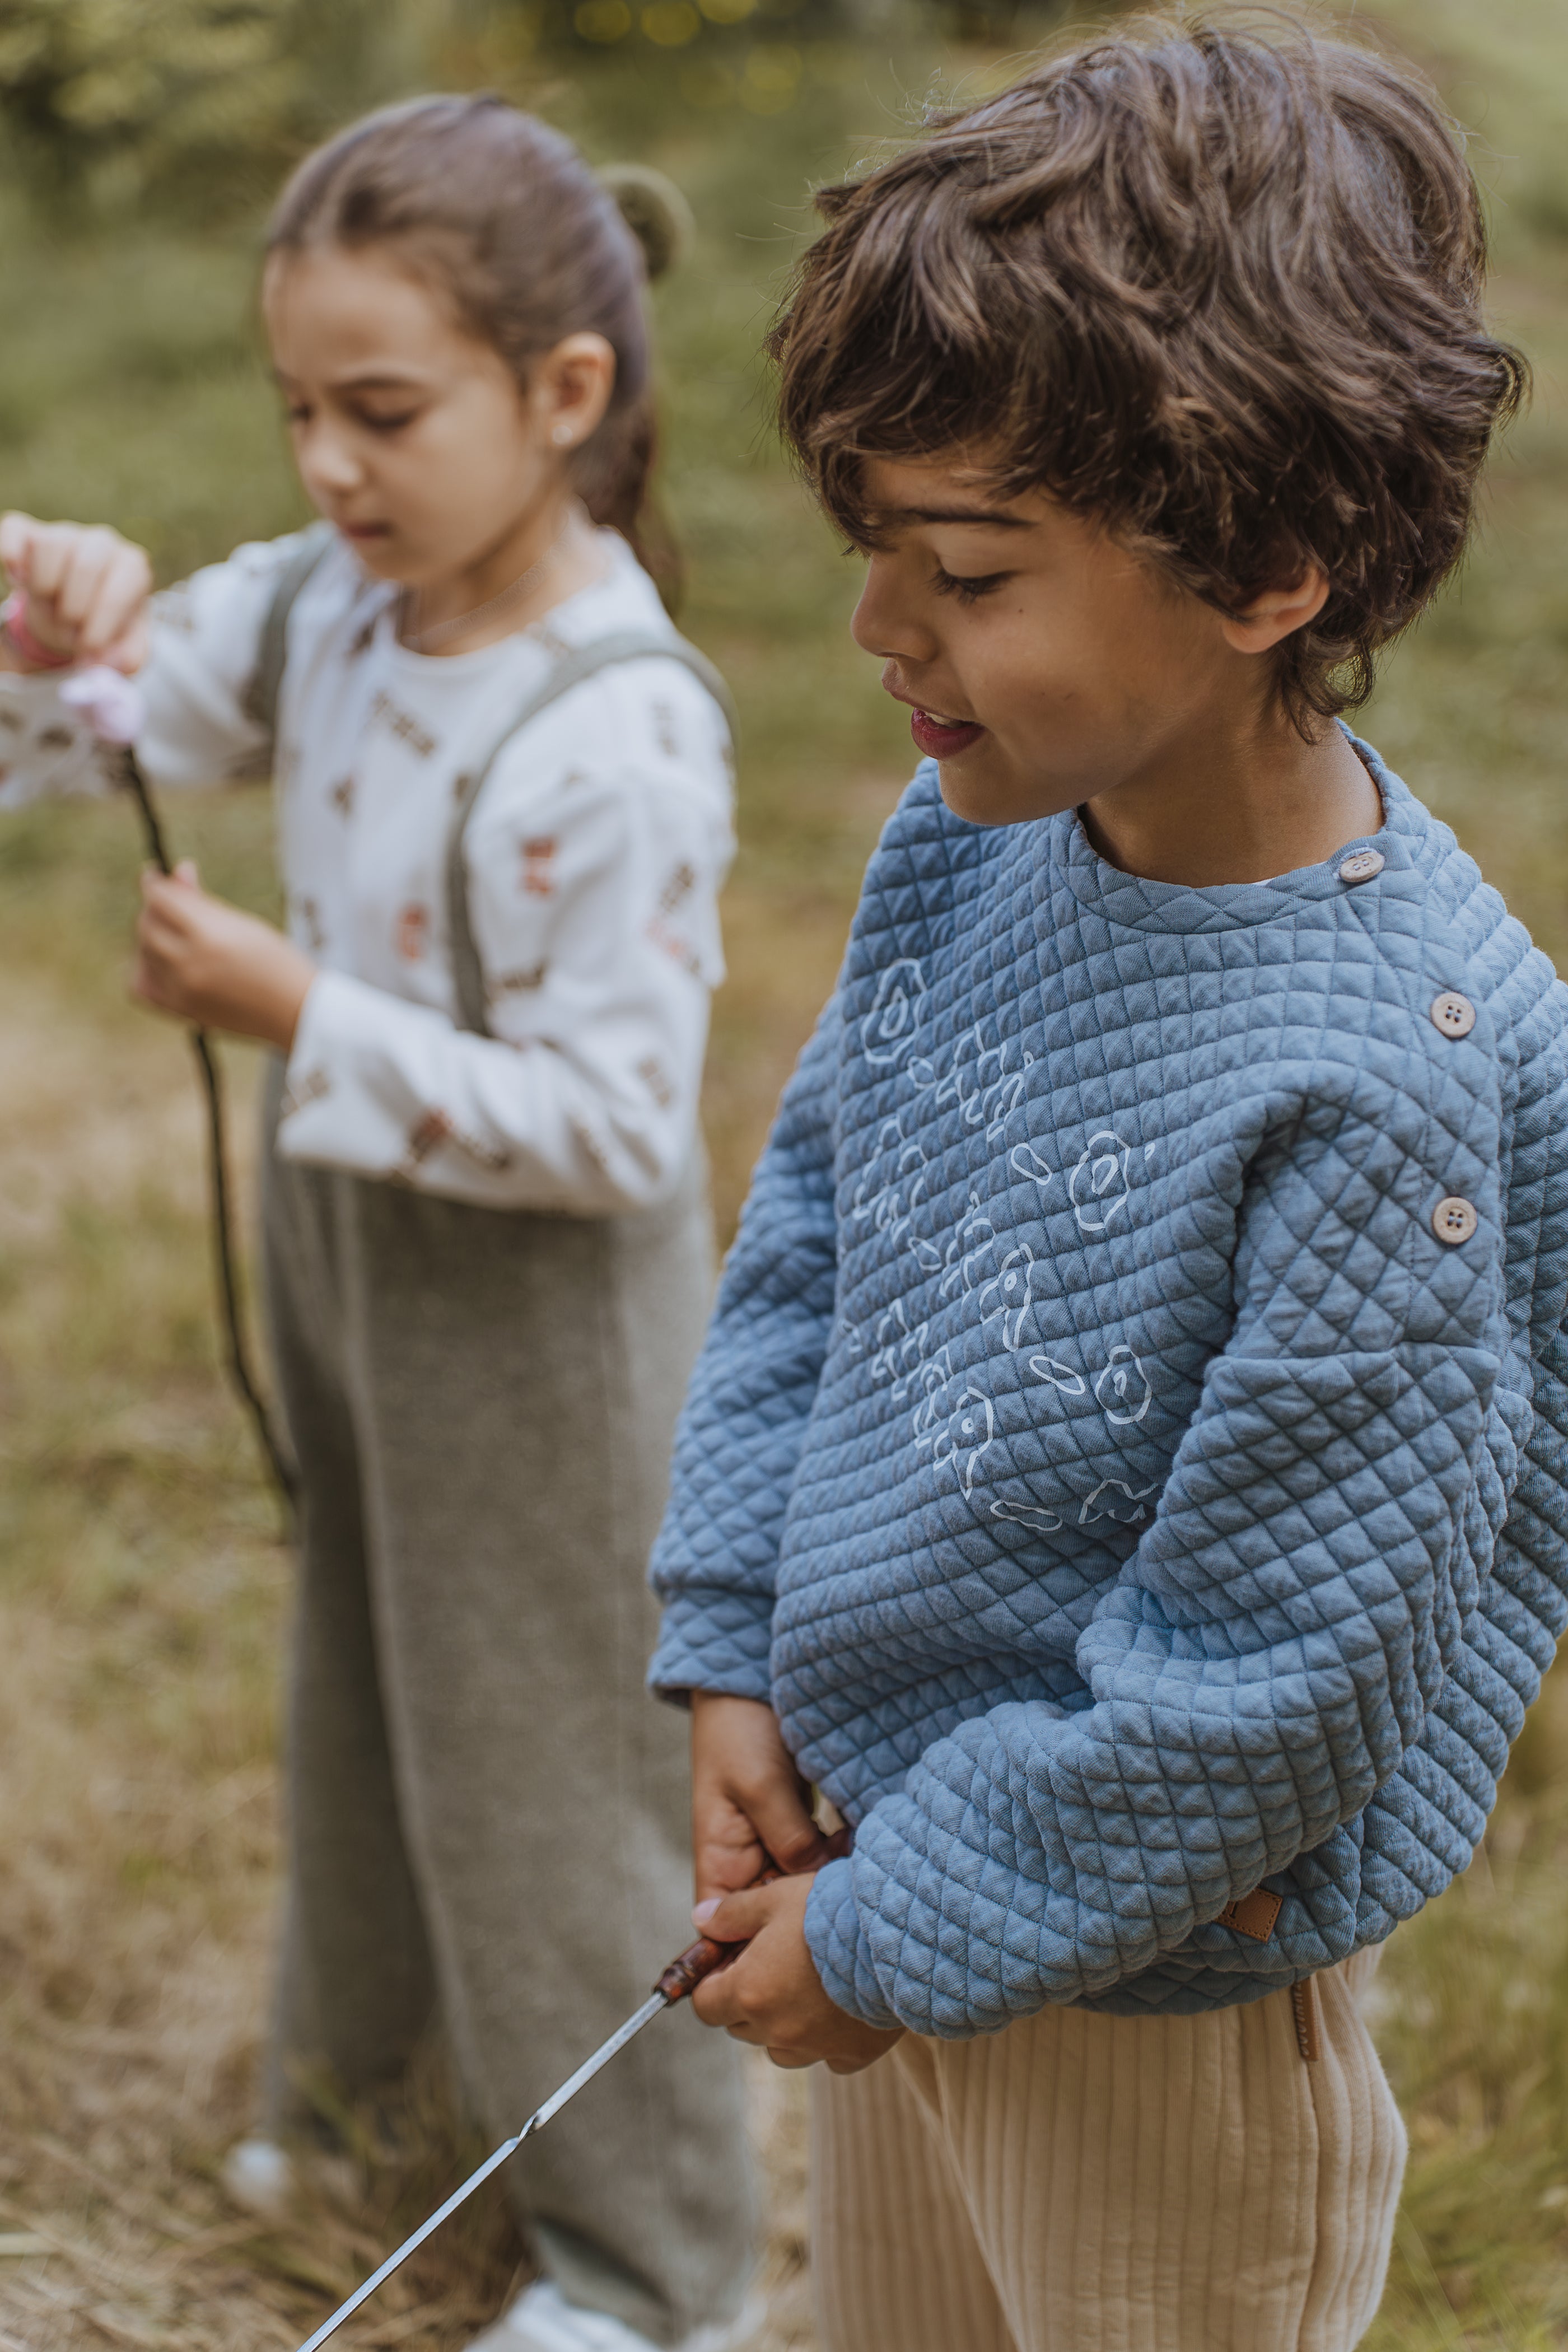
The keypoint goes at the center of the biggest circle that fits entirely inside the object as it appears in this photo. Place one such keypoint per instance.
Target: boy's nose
(885, 624)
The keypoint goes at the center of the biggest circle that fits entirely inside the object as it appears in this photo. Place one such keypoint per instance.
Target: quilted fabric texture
(1122, 1494)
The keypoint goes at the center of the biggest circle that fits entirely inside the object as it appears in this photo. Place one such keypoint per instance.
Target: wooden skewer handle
(700, 1959)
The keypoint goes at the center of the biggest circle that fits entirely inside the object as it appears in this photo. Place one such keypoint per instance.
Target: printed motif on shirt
(519, 983)
(307, 925)
(539, 866)
(436, 1129)
(411, 934)
(174, 608)
(663, 930)
(657, 1079)
(341, 796)
(309, 1085)
(401, 723)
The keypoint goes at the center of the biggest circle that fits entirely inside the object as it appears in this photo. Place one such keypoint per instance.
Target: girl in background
(503, 796)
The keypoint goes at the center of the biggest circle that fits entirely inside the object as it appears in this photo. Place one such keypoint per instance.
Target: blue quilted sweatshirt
(1129, 1486)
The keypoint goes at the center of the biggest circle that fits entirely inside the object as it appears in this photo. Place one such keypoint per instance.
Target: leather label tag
(1252, 1914)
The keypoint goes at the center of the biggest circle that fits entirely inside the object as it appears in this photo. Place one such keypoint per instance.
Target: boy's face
(1046, 667)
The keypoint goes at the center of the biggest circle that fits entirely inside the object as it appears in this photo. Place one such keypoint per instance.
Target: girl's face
(413, 437)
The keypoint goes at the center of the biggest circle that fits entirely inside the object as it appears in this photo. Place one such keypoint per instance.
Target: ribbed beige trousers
(1105, 2184)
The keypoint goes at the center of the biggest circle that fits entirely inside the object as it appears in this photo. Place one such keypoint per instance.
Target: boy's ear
(1276, 614)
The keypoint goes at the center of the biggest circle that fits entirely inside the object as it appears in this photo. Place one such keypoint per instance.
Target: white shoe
(542, 2320)
(260, 2177)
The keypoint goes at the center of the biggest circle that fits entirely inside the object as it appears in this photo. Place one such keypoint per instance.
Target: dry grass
(138, 1619)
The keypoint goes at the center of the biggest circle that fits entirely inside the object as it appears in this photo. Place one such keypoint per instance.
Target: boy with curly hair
(1126, 1472)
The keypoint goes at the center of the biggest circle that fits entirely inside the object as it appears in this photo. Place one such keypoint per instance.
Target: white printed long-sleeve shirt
(595, 858)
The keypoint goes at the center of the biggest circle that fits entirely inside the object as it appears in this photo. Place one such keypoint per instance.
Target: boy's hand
(208, 962)
(87, 592)
(770, 1993)
(749, 1804)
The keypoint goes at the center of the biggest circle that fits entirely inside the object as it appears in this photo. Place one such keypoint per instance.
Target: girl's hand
(87, 592)
(749, 1804)
(206, 962)
(770, 1994)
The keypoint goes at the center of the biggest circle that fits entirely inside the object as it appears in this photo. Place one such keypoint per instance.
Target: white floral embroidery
(1060, 1376)
(1026, 1162)
(1098, 1186)
(1129, 1494)
(977, 1080)
(1027, 1515)
(964, 1437)
(890, 1208)
(966, 1250)
(1125, 1380)
(899, 1353)
(1008, 1291)
(887, 1031)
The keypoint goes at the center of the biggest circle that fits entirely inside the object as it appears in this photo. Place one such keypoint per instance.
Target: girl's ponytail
(500, 214)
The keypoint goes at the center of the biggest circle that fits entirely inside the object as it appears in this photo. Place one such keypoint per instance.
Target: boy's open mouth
(943, 738)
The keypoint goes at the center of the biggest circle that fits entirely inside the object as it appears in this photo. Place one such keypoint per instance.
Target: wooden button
(1454, 1014)
(1362, 865)
(1454, 1220)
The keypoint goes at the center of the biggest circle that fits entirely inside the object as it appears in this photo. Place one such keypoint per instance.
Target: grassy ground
(141, 1578)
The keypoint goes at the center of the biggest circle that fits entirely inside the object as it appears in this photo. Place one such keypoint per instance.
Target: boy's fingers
(722, 1866)
(787, 1830)
(732, 1919)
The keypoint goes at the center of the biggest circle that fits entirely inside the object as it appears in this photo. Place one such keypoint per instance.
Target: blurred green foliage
(107, 104)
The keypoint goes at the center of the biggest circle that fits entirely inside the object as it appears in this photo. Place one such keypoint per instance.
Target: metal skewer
(682, 1976)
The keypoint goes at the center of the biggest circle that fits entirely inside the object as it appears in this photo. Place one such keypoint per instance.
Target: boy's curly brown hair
(1218, 286)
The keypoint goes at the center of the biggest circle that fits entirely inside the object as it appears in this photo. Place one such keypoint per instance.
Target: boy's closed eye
(968, 587)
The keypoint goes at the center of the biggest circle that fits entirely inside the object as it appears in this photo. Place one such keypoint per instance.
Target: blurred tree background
(142, 1581)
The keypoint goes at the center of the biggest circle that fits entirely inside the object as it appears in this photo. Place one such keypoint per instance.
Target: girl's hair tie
(654, 211)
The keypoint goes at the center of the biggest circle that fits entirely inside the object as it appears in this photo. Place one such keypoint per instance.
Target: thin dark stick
(218, 1162)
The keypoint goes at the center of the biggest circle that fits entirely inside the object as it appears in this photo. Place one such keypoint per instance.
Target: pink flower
(110, 704)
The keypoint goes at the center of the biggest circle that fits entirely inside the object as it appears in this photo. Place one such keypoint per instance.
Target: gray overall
(488, 1813)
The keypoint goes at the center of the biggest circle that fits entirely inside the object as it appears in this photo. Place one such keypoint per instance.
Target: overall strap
(267, 679)
(625, 645)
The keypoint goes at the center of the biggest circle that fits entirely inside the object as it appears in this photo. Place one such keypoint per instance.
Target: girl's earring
(562, 436)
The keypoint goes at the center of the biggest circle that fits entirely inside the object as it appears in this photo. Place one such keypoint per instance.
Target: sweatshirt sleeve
(205, 637)
(744, 1422)
(593, 900)
(1274, 1648)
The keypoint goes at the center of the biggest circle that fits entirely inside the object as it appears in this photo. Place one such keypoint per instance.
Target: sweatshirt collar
(1128, 902)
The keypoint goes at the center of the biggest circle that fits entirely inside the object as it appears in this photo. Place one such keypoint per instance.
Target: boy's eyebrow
(990, 516)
